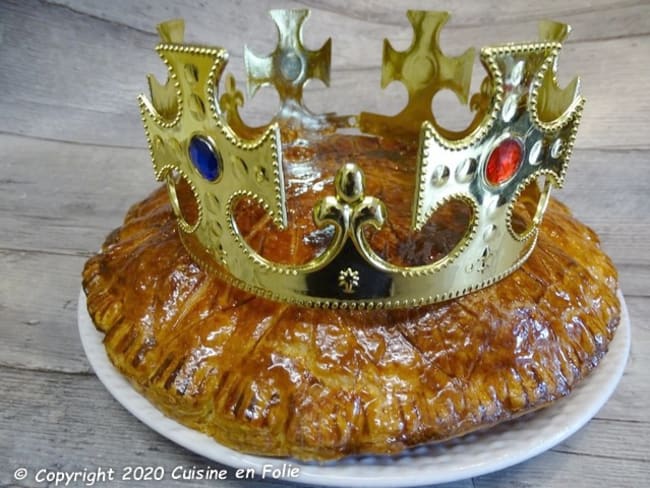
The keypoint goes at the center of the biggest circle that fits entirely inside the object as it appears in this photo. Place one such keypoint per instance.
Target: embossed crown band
(523, 129)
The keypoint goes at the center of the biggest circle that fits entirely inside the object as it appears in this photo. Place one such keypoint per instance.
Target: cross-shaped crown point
(290, 65)
(424, 70)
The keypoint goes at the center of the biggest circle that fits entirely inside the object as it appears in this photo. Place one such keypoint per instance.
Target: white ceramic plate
(469, 456)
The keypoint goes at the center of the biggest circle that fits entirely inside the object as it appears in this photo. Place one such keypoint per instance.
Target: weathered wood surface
(69, 72)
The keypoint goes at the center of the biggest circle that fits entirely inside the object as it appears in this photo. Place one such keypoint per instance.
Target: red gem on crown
(503, 162)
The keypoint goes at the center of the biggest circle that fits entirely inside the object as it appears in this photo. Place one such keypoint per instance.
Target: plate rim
(325, 474)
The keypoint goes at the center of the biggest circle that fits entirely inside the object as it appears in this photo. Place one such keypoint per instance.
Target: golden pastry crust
(276, 379)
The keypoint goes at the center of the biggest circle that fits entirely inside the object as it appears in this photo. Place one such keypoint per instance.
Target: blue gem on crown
(205, 158)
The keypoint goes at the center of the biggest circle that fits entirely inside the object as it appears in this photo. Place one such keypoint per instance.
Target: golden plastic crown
(524, 128)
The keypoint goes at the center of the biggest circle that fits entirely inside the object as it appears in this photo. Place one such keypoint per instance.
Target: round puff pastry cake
(280, 378)
(276, 379)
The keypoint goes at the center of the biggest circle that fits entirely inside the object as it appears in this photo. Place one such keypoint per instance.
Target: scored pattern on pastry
(276, 379)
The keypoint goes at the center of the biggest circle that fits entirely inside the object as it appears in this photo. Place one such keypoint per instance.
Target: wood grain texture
(73, 56)
(70, 71)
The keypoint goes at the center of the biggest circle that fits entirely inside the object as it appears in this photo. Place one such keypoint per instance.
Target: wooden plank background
(73, 160)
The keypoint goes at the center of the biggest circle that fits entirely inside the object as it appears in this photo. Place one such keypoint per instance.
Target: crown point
(172, 31)
(504, 161)
(552, 31)
(290, 65)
